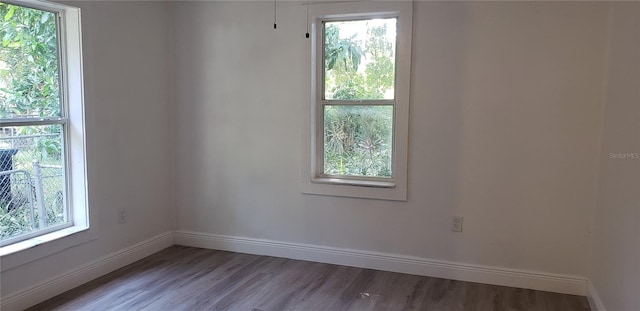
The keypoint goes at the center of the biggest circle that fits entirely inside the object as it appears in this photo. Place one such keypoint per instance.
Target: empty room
(319, 155)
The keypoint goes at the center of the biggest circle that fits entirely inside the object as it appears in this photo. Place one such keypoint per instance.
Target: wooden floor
(185, 278)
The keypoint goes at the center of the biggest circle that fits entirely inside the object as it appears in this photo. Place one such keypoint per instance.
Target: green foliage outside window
(359, 65)
(358, 140)
(30, 88)
(29, 73)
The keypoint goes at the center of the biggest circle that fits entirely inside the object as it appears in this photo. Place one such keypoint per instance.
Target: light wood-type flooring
(186, 278)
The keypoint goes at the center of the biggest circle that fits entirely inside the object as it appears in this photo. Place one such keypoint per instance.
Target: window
(358, 130)
(42, 162)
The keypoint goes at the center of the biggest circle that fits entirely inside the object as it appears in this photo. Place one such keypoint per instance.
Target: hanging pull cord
(275, 26)
(307, 34)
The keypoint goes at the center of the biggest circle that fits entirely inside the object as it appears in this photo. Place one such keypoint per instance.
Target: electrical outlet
(122, 215)
(456, 224)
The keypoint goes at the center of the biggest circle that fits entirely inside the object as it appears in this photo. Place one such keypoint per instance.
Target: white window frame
(72, 119)
(314, 181)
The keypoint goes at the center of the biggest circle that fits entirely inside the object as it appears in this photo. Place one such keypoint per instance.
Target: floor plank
(186, 278)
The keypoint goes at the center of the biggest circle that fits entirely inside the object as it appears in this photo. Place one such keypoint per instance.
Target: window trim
(314, 181)
(73, 118)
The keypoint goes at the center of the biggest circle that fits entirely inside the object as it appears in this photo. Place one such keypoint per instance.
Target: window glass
(359, 59)
(358, 140)
(29, 84)
(32, 147)
(31, 179)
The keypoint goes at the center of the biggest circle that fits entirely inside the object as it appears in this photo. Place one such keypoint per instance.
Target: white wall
(505, 119)
(126, 52)
(615, 253)
(505, 123)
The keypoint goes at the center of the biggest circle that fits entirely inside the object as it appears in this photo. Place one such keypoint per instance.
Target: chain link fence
(32, 193)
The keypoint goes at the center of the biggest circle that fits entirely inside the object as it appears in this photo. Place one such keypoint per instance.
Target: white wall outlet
(122, 215)
(456, 224)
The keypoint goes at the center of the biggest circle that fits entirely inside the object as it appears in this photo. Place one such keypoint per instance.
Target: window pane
(24, 150)
(359, 58)
(358, 140)
(28, 63)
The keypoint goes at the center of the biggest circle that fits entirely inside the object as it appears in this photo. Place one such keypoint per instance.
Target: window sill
(41, 239)
(26, 251)
(354, 189)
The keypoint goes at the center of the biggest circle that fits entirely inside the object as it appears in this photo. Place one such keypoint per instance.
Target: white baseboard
(594, 299)
(566, 284)
(88, 272)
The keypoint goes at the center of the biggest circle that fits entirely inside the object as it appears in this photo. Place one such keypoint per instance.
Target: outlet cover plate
(456, 224)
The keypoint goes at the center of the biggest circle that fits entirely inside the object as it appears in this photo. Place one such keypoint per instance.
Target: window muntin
(33, 133)
(358, 99)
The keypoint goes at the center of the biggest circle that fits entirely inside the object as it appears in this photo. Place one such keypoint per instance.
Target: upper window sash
(353, 17)
(62, 111)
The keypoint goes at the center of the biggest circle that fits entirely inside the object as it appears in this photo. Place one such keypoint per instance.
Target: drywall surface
(126, 52)
(504, 123)
(615, 254)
